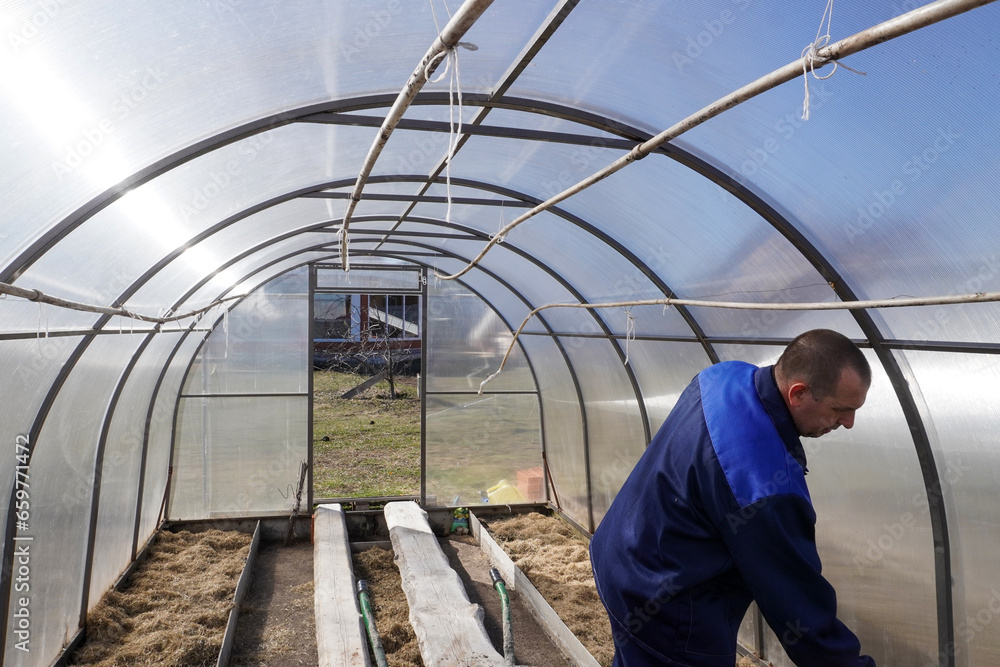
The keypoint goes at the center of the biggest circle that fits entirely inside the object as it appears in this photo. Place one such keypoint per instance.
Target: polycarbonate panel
(277, 268)
(254, 269)
(23, 316)
(960, 403)
(62, 469)
(702, 241)
(504, 303)
(260, 347)
(363, 279)
(712, 247)
(873, 527)
(160, 217)
(913, 213)
(29, 367)
(238, 456)
(563, 428)
(171, 281)
(184, 67)
(480, 444)
(526, 120)
(537, 169)
(663, 370)
(466, 343)
(583, 65)
(158, 442)
(234, 455)
(510, 305)
(589, 264)
(41, 320)
(533, 283)
(120, 469)
(615, 436)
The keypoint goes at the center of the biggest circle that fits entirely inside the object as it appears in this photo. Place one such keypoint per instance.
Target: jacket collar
(767, 390)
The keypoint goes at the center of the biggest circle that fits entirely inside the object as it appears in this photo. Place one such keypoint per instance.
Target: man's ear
(797, 393)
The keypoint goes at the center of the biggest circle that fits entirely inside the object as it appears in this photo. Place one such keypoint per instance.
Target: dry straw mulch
(175, 608)
(556, 561)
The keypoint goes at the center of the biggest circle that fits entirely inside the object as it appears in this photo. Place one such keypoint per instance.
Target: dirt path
(277, 626)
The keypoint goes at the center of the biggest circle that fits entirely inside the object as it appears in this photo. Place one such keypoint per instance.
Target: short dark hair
(818, 357)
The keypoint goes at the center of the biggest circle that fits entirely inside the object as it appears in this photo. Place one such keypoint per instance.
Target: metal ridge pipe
(467, 14)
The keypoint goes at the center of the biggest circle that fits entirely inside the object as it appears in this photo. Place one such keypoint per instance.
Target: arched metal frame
(327, 113)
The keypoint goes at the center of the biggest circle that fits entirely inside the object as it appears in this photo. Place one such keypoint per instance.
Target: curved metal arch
(335, 252)
(440, 252)
(889, 362)
(644, 417)
(473, 233)
(437, 252)
(7, 564)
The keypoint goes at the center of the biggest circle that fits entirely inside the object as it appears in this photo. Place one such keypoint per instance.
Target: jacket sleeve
(773, 544)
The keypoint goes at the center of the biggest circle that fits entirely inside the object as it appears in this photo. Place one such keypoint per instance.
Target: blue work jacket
(714, 515)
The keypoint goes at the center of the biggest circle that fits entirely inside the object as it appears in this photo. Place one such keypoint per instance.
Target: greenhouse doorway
(367, 353)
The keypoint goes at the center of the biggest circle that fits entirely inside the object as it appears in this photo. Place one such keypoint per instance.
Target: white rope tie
(453, 135)
(629, 330)
(811, 57)
(454, 93)
(499, 236)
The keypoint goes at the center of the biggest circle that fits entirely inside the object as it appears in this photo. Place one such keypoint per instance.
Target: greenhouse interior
(602, 198)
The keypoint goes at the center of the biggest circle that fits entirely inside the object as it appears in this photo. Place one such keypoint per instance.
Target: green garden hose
(508, 626)
(369, 616)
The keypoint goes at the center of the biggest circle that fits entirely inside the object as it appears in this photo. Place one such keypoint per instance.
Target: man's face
(814, 416)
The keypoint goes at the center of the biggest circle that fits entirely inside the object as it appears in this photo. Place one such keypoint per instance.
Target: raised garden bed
(174, 609)
(555, 559)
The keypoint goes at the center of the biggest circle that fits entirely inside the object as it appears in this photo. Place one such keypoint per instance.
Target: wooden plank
(241, 590)
(448, 626)
(543, 612)
(370, 382)
(340, 630)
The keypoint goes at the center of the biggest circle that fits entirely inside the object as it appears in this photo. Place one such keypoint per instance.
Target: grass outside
(373, 442)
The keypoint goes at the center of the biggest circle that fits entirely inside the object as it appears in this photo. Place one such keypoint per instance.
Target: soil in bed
(175, 608)
(277, 625)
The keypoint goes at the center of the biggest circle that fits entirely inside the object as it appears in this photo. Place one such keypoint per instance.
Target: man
(716, 514)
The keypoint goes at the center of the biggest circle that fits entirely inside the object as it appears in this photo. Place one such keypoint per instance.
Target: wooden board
(340, 630)
(449, 628)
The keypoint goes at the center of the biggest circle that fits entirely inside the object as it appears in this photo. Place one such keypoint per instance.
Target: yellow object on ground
(504, 492)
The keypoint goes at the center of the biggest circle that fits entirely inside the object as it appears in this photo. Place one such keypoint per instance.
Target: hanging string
(629, 330)
(811, 57)
(499, 235)
(453, 136)
(451, 67)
